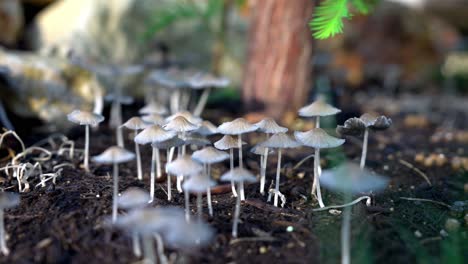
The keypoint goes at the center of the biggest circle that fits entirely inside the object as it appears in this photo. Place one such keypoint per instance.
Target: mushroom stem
(158, 164)
(317, 122)
(160, 249)
(263, 171)
(3, 246)
(364, 149)
(208, 193)
(169, 188)
(115, 192)
(136, 244)
(202, 102)
(179, 183)
(185, 98)
(175, 97)
(231, 166)
(119, 135)
(235, 222)
(345, 233)
(148, 249)
(199, 206)
(241, 184)
(86, 150)
(316, 177)
(138, 158)
(278, 171)
(153, 174)
(187, 206)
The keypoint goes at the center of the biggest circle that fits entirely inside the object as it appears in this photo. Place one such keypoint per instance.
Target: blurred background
(404, 56)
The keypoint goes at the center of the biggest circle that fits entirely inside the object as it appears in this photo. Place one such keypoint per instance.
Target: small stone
(334, 212)
(417, 234)
(263, 250)
(443, 233)
(452, 225)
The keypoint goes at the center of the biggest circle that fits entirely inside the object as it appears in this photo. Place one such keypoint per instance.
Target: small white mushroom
(87, 119)
(225, 143)
(154, 119)
(206, 82)
(198, 184)
(317, 109)
(115, 121)
(136, 124)
(114, 155)
(207, 129)
(7, 200)
(153, 108)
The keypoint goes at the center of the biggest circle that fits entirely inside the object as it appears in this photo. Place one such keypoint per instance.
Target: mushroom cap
(352, 127)
(198, 184)
(184, 166)
(133, 197)
(114, 154)
(187, 115)
(122, 99)
(180, 124)
(197, 140)
(153, 108)
(280, 140)
(318, 108)
(239, 175)
(152, 134)
(135, 123)
(269, 125)
(174, 142)
(349, 177)
(209, 155)
(85, 118)
(151, 219)
(236, 127)
(376, 122)
(188, 235)
(227, 142)
(318, 138)
(260, 150)
(9, 200)
(207, 129)
(154, 119)
(205, 80)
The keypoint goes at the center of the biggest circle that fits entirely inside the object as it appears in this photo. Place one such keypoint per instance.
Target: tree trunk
(278, 72)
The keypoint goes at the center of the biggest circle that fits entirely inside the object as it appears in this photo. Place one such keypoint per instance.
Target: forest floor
(66, 222)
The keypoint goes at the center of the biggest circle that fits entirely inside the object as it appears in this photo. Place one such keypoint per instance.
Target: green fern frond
(328, 18)
(362, 6)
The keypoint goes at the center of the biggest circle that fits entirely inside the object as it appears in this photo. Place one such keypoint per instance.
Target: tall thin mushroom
(205, 82)
(136, 124)
(150, 135)
(7, 200)
(317, 138)
(85, 119)
(114, 155)
(238, 127)
(279, 141)
(225, 143)
(198, 184)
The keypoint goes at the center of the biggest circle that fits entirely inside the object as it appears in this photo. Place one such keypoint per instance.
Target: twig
(345, 205)
(302, 161)
(426, 200)
(418, 171)
(253, 239)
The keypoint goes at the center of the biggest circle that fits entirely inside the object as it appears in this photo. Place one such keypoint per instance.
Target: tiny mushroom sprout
(184, 166)
(360, 126)
(238, 175)
(198, 184)
(267, 126)
(86, 119)
(225, 143)
(350, 179)
(318, 139)
(114, 155)
(135, 124)
(7, 200)
(150, 135)
(238, 127)
(208, 156)
(279, 141)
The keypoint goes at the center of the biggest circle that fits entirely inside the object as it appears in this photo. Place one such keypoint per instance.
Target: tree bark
(278, 72)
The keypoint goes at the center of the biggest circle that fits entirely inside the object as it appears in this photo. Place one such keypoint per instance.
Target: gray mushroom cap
(205, 80)
(184, 166)
(269, 125)
(154, 119)
(198, 184)
(122, 99)
(85, 118)
(153, 108)
(318, 108)
(209, 155)
(236, 127)
(280, 140)
(174, 142)
(197, 140)
(239, 175)
(349, 177)
(207, 128)
(227, 142)
(152, 134)
(260, 150)
(187, 115)
(180, 124)
(376, 122)
(318, 138)
(114, 154)
(151, 219)
(189, 235)
(133, 198)
(9, 200)
(135, 123)
(352, 127)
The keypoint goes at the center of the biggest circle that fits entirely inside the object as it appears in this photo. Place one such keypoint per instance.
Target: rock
(11, 21)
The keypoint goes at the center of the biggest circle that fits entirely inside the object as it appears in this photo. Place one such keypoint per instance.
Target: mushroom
(317, 138)
(150, 135)
(225, 143)
(205, 82)
(187, 115)
(7, 200)
(279, 141)
(238, 175)
(87, 119)
(360, 126)
(115, 120)
(153, 108)
(184, 166)
(135, 124)
(153, 119)
(350, 179)
(114, 155)
(169, 145)
(267, 126)
(207, 128)
(208, 156)
(198, 184)
(317, 109)
(238, 127)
